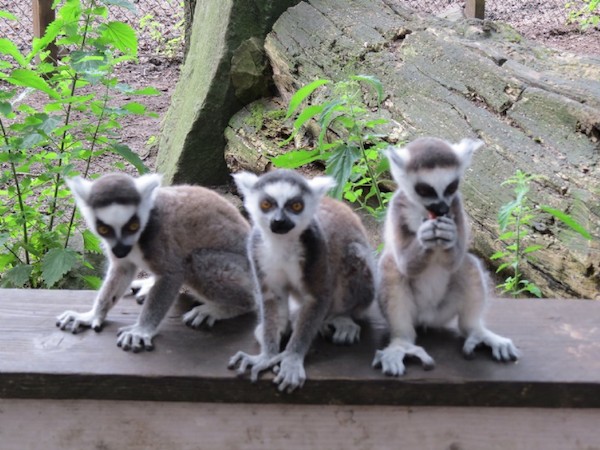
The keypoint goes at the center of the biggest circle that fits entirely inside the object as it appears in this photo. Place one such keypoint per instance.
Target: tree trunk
(537, 110)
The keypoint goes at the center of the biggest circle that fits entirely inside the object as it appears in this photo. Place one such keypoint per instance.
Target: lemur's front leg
(118, 279)
(273, 308)
(399, 307)
(158, 301)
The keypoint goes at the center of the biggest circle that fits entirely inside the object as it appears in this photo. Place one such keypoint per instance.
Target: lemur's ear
(398, 157)
(464, 150)
(245, 182)
(321, 185)
(80, 188)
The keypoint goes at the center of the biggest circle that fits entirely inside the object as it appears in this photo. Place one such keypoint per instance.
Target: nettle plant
(347, 142)
(515, 220)
(585, 12)
(77, 122)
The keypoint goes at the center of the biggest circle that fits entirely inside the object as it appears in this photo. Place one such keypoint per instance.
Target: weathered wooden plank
(560, 341)
(475, 9)
(74, 424)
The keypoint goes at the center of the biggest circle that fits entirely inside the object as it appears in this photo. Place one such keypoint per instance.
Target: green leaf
(501, 267)
(29, 78)
(296, 158)
(91, 242)
(339, 166)
(88, 62)
(18, 276)
(306, 114)
(5, 108)
(7, 15)
(497, 255)
(122, 36)
(8, 47)
(528, 286)
(130, 156)
(532, 248)
(373, 82)
(302, 94)
(567, 220)
(92, 281)
(56, 263)
(134, 108)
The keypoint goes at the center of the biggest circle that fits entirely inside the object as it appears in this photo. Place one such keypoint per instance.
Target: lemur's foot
(345, 330)
(391, 358)
(140, 289)
(76, 321)
(503, 348)
(256, 364)
(136, 338)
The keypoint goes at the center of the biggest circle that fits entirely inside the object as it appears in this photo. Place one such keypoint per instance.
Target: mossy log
(536, 109)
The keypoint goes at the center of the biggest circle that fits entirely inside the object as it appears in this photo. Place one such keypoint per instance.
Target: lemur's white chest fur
(281, 259)
(430, 290)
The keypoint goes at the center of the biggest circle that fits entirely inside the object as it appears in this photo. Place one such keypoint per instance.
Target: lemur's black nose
(121, 251)
(281, 225)
(439, 208)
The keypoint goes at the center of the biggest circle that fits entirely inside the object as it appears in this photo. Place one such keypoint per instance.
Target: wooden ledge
(559, 339)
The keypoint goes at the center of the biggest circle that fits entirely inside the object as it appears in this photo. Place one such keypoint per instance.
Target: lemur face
(116, 207)
(429, 171)
(282, 202)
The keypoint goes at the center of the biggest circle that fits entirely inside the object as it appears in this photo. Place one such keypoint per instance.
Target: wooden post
(475, 9)
(43, 15)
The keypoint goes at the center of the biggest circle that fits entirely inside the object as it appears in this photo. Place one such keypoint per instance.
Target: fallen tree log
(537, 110)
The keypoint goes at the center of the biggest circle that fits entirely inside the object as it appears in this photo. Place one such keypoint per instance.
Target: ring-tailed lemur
(183, 235)
(426, 275)
(313, 249)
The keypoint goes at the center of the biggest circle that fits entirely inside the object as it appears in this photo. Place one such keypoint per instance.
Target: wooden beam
(560, 367)
(475, 9)
(43, 15)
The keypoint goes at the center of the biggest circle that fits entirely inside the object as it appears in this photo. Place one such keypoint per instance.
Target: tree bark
(536, 109)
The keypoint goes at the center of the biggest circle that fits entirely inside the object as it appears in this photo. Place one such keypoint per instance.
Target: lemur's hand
(426, 234)
(445, 232)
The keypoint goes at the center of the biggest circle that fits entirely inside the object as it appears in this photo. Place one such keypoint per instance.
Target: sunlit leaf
(296, 158)
(567, 220)
(130, 156)
(302, 94)
(122, 36)
(29, 78)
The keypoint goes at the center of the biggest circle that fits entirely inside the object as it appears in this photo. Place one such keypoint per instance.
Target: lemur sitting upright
(426, 275)
(312, 248)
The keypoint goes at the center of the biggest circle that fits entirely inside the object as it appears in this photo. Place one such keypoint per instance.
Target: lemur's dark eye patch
(296, 205)
(424, 190)
(103, 229)
(266, 204)
(132, 226)
(451, 189)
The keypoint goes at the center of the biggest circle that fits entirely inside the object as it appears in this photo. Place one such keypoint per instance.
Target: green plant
(347, 140)
(77, 122)
(584, 13)
(168, 47)
(515, 219)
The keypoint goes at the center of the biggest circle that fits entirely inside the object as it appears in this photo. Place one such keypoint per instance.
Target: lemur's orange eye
(297, 207)
(133, 226)
(103, 230)
(265, 205)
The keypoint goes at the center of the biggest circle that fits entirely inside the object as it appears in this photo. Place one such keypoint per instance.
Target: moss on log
(537, 110)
